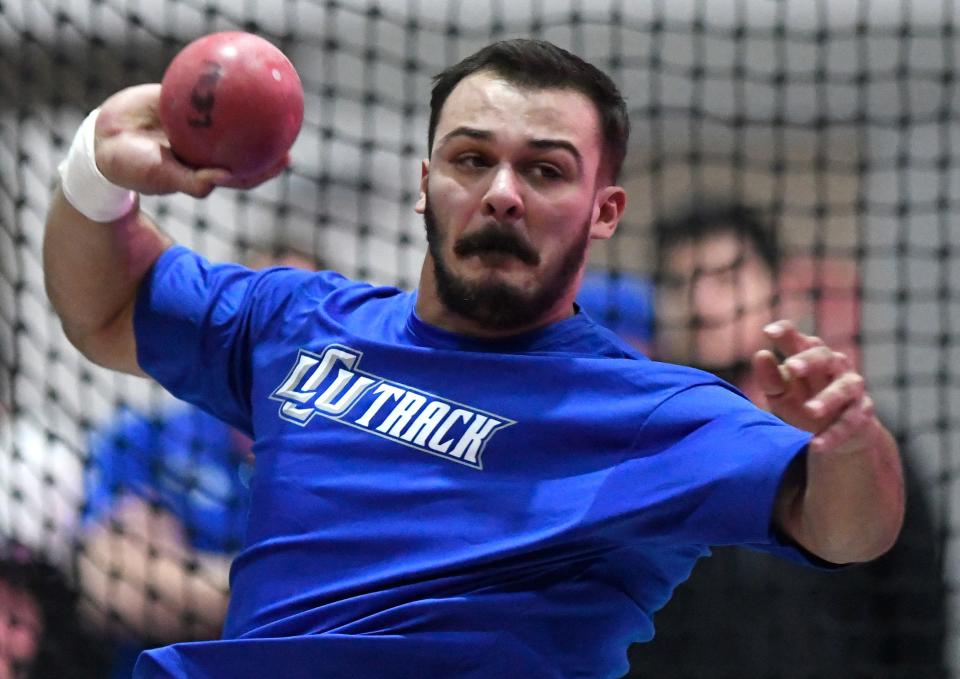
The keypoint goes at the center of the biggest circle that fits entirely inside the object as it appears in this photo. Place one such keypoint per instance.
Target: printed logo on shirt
(331, 385)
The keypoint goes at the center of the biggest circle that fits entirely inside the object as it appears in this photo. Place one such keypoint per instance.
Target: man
(470, 479)
(716, 280)
(720, 275)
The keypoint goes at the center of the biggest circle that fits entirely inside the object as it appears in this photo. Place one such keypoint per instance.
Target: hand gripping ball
(231, 100)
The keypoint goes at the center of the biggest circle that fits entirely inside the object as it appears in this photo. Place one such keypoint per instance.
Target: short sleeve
(195, 324)
(710, 464)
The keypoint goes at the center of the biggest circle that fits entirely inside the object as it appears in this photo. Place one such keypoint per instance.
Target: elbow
(111, 346)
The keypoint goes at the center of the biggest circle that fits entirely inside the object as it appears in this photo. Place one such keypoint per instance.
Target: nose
(503, 200)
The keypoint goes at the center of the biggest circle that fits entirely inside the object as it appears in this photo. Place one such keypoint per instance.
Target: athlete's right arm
(93, 269)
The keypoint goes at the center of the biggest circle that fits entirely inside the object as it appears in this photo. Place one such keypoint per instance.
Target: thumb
(193, 182)
(771, 378)
(207, 179)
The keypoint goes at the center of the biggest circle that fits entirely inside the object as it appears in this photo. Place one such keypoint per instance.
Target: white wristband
(84, 186)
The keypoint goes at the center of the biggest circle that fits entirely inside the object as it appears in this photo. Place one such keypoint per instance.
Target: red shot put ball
(231, 100)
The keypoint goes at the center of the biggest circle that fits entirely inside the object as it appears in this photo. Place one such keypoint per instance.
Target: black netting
(833, 124)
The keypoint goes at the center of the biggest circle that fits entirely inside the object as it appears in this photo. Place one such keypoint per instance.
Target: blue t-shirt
(426, 504)
(187, 462)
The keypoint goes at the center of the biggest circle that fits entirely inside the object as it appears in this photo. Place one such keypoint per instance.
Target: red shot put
(231, 100)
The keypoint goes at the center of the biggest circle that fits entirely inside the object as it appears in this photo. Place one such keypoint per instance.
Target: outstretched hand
(815, 389)
(133, 151)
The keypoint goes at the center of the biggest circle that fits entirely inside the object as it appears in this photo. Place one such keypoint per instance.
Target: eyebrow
(486, 135)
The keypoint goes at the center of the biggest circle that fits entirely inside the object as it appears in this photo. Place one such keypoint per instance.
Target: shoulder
(678, 395)
(329, 290)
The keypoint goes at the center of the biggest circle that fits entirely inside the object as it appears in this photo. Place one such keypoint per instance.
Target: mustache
(497, 238)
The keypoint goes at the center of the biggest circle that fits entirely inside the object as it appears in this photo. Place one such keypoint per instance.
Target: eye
(671, 282)
(472, 161)
(729, 277)
(546, 171)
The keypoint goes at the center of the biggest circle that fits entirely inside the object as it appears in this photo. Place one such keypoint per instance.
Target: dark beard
(497, 305)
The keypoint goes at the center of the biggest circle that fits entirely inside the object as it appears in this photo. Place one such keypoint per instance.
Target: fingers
(134, 107)
(133, 151)
(788, 340)
(848, 431)
(818, 360)
(837, 396)
(250, 181)
(771, 377)
(203, 182)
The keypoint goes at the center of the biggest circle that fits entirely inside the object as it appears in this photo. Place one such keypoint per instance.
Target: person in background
(40, 634)
(621, 301)
(166, 510)
(719, 276)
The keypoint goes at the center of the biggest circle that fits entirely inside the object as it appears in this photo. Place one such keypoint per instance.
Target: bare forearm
(846, 504)
(94, 268)
(92, 273)
(850, 507)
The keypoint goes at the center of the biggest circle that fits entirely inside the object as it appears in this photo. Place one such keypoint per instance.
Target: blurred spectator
(166, 512)
(40, 634)
(741, 614)
(41, 486)
(620, 301)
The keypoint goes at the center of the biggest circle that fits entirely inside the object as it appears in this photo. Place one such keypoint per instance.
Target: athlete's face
(715, 296)
(510, 199)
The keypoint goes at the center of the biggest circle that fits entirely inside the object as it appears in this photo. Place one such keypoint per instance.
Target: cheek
(557, 226)
(451, 204)
(24, 643)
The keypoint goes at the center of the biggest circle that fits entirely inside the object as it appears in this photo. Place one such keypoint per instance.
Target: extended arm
(846, 502)
(93, 269)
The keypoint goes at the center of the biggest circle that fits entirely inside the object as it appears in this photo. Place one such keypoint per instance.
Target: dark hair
(537, 64)
(701, 222)
(64, 650)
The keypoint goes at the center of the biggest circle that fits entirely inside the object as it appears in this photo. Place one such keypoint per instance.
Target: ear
(608, 208)
(421, 205)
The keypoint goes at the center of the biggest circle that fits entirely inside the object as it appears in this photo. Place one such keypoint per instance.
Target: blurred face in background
(714, 296)
(20, 630)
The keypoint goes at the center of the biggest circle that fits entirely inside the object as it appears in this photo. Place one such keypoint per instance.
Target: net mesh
(834, 121)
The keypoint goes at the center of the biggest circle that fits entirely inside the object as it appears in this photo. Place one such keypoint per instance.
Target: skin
(503, 160)
(716, 297)
(21, 626)
(716, 310)
(118, 568)
(523, 162)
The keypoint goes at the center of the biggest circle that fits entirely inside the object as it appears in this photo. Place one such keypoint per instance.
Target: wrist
(84, 186)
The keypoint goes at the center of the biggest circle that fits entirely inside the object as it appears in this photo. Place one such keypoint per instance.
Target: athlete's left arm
(843, 500)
